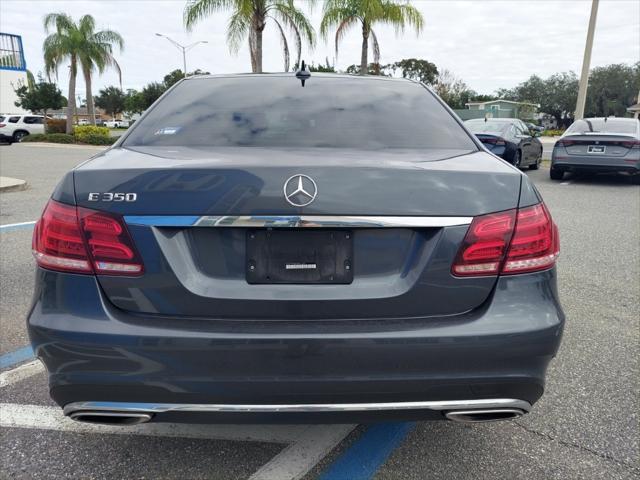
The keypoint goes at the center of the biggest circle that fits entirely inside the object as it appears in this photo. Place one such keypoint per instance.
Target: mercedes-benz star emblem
(300, 190)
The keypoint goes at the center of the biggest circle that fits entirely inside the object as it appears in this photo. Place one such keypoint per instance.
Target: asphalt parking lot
(585, 426)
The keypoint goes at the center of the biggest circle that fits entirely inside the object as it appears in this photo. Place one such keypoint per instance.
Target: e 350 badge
(112, 197)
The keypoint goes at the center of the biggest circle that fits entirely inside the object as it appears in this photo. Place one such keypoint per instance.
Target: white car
(13, 128)
(117, 123)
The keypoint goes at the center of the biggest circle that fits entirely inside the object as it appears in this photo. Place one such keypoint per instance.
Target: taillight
(535, 244)
(515, 241)
(3, 125)
(80, 240)
(630, 143)
(485, 244)
(498, 141)
(566, 143)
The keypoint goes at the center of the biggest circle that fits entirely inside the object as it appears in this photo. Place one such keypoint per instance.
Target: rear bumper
(97, 353)
(6, 138)
(594, 164)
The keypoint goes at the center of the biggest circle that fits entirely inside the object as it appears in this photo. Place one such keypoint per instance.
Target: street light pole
(586, 62)
(183, 48)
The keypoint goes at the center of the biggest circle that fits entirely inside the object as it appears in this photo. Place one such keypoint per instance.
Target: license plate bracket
(299, 256)
(596, 149)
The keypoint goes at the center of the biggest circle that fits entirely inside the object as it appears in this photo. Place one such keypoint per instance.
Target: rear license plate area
(299, 257)
(596, 149)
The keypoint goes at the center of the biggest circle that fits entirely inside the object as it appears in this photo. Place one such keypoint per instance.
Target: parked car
(13, 128)
(510, 139)
(341, 252)
(116, 124)
(83, 122)
(598, 145)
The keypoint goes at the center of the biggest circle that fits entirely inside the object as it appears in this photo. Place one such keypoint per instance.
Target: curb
(61, 145)
(8, 184)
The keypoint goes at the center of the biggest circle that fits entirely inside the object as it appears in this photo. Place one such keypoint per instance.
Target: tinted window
(14, 119)
(276, 111)
(31, 120)
(598, 125)
(487, 127)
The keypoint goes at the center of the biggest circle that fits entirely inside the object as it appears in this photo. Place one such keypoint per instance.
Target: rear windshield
(487, 127)
(598, 125)
(276, 111)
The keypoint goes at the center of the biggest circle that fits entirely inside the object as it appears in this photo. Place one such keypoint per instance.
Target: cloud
(489, 44)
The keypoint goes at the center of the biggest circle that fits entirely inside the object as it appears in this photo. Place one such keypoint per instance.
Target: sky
(487, 43)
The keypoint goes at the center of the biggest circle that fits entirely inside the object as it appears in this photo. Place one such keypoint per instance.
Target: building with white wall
(13, 71)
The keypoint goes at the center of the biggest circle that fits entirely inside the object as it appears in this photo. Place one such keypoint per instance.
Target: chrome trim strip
(296, 221)
(124, 407)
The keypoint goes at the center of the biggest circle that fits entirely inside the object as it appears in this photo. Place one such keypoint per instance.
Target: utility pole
(586, 62)
(183, 48)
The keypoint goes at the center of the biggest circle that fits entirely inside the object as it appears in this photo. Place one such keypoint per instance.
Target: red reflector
(510, 242)
(85, 241)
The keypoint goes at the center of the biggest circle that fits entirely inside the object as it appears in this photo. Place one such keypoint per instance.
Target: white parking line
(300, 457)
(20, 373)
(51, 418)
(14, 225)
(566, 183)
(306, 444)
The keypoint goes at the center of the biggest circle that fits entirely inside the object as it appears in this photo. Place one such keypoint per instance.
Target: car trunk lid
(196, 257)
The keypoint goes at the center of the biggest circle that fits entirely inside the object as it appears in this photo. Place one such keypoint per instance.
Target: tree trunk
(364, 58)
(259, 50)
(71, 100)
(90, 107)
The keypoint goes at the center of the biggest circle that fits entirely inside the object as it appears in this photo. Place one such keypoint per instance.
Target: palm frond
(86, 25)
(285, 45)
(294, 18)
(237, 30)
(335, 17)
(375, 46)
(342, 30)
(61, 21)
(197, 10)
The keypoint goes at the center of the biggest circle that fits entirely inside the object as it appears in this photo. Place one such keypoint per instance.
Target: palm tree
(84, 48)
(343, 14)
(249, 19)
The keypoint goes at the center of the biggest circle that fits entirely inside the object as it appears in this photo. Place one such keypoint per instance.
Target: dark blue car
(510, 139)
(257, 248)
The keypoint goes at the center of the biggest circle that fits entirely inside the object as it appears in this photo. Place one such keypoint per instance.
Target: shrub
(552, 133)
(56, 125)
(49, 137)
(83, 131)
(98, 140)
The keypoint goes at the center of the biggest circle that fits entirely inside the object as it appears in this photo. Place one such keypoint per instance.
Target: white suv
(14, 128)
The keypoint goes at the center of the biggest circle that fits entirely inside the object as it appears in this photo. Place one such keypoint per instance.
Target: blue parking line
(17, 356)
(363, 459)
(16, 226)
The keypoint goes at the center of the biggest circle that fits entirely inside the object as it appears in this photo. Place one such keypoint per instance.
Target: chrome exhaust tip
(110, 418)
(486, 415)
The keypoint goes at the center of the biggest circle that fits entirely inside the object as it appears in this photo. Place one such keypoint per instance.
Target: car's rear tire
(536, 165)
(517, 159)
(556, 174)
(19, 135)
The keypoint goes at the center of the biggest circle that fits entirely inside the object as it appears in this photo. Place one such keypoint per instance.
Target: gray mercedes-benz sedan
(295, 248)
(598, 145)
